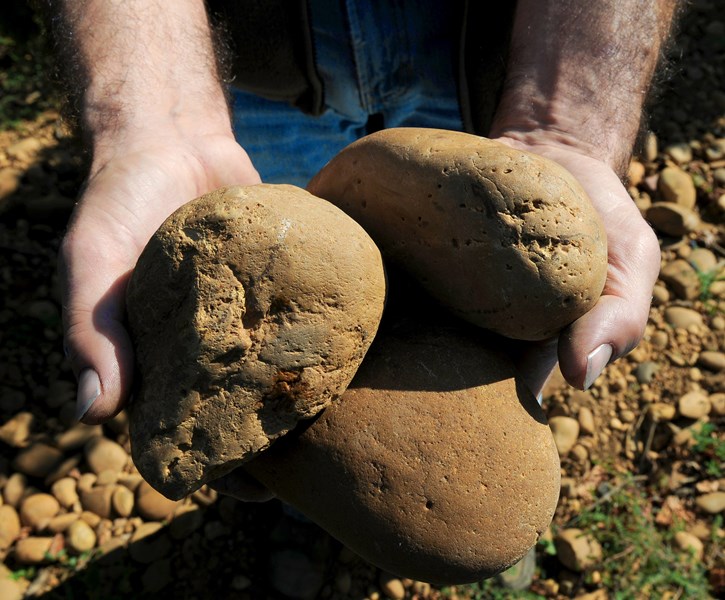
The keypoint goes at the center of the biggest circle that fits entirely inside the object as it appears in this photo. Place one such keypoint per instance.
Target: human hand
(616, 323)
(132, 188)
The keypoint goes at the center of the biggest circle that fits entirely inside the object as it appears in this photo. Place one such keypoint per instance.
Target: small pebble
(37, 510)
(577, 550)
(38, 460)
(694, 405)
(60, 523)
(77, 436)
(14, 489)
(682, 318)
(712, 360)
(153, 506)
(9, 526)
(679, 153)
(676, 186)
(65, 492)
(586, 421)
(122, 501)
(703, 260)
(98, 500)
(682, 279)
(579, 453)
(660, 295)
(690, 544)
(672, 219)
(103, 454)
(32, 550)
(391, 586)
(645, 371)
(16, 430)
(80, 537)
(10, 589)
(661, 411)
(712, 503)
(565, 431)
(717, 401)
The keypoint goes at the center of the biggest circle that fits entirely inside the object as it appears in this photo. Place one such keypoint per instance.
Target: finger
(534, 363)
(616, 323)
(96, 340)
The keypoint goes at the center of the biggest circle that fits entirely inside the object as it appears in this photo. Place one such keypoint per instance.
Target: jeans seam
(366, 99)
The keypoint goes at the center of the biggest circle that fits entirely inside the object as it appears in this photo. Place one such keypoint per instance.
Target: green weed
(640, 559)
(711, 447)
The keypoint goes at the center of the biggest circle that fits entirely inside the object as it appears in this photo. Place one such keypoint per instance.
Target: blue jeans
(394, 60)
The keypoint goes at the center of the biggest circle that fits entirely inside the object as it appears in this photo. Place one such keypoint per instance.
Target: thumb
(96, 340)
(616, 323)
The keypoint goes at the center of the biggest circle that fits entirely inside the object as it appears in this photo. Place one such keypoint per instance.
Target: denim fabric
(394, 59)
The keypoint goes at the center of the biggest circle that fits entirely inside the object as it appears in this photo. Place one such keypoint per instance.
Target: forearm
(579, 73)
(140, 67)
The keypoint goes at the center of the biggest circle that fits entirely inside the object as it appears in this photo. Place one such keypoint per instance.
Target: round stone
(391, 586)
(38, 509)
(565, 431)
(577, 550)
(712, 360)
(11, 590)
(38, 460)
(712, 503)
(123, 501)
(32, 550)
(65, 492)
(14, 489)
(9, 526)
(694, 405)
(80, 537)
(682, 318)
(672, 219)
(586, 421)
(152, 505)
(98, 500)
(103, 454)
(676, 186)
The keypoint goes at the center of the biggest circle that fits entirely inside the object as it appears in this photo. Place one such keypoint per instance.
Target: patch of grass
(640, 559)
(712, 449)
(707, 278)
(25, 573)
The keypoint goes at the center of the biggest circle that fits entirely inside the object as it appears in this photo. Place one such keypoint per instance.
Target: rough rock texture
(435, 464)
(506, 239)
(251, 308)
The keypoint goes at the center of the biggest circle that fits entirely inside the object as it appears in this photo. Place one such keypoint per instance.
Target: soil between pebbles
(77, 520)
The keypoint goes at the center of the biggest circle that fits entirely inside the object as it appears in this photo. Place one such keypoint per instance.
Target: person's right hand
(128, 194)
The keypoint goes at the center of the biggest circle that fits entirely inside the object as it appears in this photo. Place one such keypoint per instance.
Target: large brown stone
(506, 239)
(435, 464)
(251, 308)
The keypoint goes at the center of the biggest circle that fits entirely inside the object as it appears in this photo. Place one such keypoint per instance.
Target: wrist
(113, 135)
(533, 121)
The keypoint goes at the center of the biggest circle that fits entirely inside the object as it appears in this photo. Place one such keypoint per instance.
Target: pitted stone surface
(435, 465)
(506, 239)
(251, 308)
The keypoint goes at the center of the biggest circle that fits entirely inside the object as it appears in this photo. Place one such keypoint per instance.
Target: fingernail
(540, 397)
(89, 388)
(596, 361)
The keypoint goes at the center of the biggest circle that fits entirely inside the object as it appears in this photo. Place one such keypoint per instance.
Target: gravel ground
(643, 451)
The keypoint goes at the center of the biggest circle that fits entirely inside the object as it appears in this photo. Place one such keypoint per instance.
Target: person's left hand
(616, 323)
